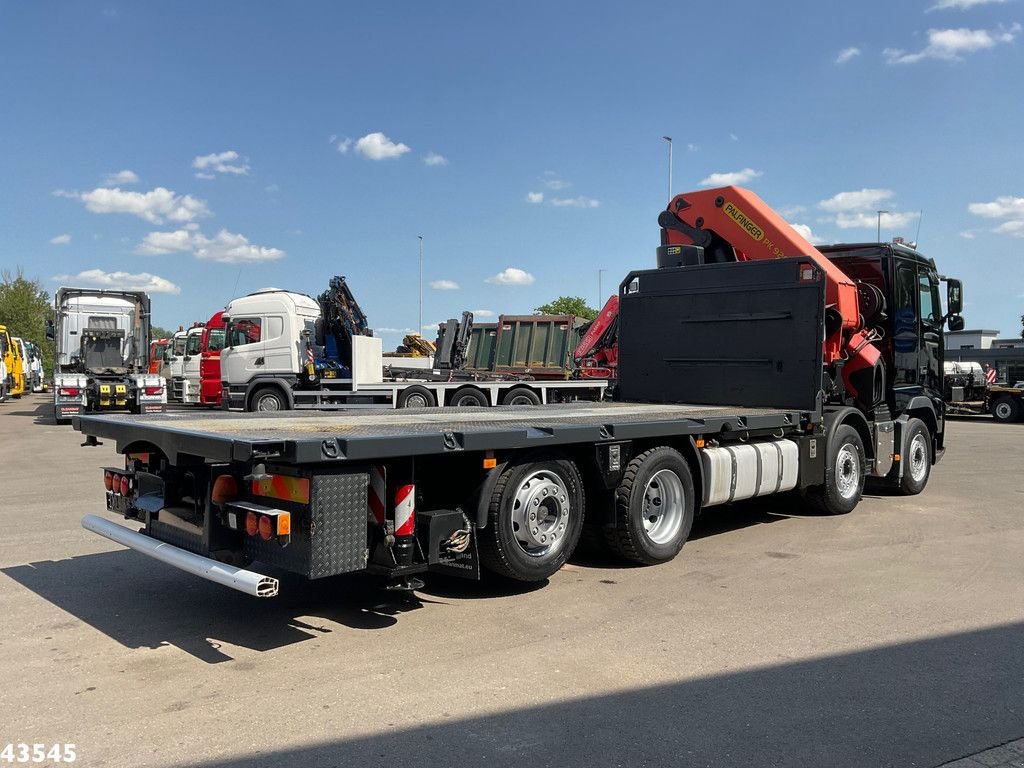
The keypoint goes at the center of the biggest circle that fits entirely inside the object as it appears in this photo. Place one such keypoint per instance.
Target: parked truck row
(21, 366)
(779, 368)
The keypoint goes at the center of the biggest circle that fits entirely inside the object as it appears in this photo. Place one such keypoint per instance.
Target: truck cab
(209, 361)
(186, 386)
(266, 337)
(175, 362)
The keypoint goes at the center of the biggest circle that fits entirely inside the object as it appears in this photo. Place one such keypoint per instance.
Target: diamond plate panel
(338, 525)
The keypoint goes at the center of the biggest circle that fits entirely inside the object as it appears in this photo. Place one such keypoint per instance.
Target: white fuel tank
(736, 472)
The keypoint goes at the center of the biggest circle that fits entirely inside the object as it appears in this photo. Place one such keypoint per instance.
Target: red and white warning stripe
(405, 510)
(990, 376)
(376, 495)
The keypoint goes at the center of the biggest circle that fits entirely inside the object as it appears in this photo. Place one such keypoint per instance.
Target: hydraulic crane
(733, 224)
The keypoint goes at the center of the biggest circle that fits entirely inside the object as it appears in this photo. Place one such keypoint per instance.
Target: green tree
(567, 305)
(159, 332)
(25, 306)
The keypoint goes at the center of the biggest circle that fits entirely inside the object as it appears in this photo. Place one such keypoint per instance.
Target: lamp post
(419, 327)
(879, 234)
(669, 140)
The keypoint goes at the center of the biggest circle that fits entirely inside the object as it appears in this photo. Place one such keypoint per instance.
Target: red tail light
(153, 390)
(108, 480)
(126, 485)
(251, 523)
(266, 526)
(69, 391)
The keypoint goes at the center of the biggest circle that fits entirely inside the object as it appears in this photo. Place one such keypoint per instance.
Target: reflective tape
(405, 510)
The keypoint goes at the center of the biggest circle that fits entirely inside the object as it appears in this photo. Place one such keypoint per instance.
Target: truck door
(247, 357)
(279, 347)
(930, 359)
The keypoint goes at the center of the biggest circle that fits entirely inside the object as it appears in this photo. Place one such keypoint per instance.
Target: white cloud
(551, 180)
(734, 137)
(870, 220)
(961, 5)
(231, 248)
(402, 331)
(60, 240)
(444, 285)
(967, 235)
(1005, 207)
(225, 247)
(575, 202)
(344, 145)
(272, 189)
(121, 177)
(535, 197)
(434, 159)
(207, 166)
(731, 178)
(153, 206)
(141, 281)
(512, 276)
(377, 146)
(847, 54)
(861, 199)
(807, 234)
(483, 313)
(162, 243)
(953, 44)
(692, 147)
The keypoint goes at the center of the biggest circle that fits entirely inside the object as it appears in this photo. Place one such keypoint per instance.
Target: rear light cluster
(117, 483)
(69, 391)
(268, 526)
(153, 390)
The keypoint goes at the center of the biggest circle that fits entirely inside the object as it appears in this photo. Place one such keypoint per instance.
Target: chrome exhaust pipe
(249, 582)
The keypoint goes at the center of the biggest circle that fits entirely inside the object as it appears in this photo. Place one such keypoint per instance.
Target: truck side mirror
(954, 296)
(49, 330)
(956, 323)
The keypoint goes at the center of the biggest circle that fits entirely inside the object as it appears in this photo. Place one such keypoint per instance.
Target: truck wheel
(535, 518)
(654, 507)
(469, 396)
(916, 459)
(521, 396)
(1005, 409)
(268, 399)
(416, 397)
(844, 474)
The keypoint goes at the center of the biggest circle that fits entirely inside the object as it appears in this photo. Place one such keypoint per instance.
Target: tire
(268, 399)
(468, 397)
(916, 459)
(844, 474)
(518, 547)
(521, 396)
(654, 507)
(416, 397)
(1005, 410)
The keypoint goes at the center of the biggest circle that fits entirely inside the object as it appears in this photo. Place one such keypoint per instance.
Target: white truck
(102, 343)
(185, 376)
(271, 343)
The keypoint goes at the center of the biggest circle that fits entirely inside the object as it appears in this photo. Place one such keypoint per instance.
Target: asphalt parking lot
(890, 636)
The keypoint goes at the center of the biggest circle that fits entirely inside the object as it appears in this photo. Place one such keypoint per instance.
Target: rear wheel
(535, 518)
(268, 399)
(654, 507)
(916, 459)
(844, 474)
(416, 397)
(1005, 409)
(521, 396)
(468, 397)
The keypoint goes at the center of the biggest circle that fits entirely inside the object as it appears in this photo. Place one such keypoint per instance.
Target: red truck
(209, 360)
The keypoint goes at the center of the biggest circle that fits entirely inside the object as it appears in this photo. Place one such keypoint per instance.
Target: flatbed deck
(331, 437)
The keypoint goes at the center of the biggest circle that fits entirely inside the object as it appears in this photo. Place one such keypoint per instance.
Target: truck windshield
(179, 345)
(216, 341)
(194, 343)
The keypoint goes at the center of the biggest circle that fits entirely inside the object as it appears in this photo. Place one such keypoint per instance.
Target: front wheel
(916, 459)
(654, 507)
(535, 518)
(268, 399)
(844, 474)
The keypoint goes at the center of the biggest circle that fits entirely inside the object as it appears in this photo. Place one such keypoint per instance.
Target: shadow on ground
(916, 704)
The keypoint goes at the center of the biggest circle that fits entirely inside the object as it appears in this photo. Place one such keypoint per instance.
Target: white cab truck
(102, 342)
(185, 383)
(265, 366)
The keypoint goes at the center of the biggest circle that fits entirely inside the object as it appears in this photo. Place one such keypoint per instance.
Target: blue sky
(204, 150)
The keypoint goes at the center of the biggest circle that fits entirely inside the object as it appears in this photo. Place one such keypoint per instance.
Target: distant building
(977, 339)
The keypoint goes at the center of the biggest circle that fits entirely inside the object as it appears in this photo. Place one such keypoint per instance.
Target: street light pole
(879, 233)
(419, 327)
(669, 140)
